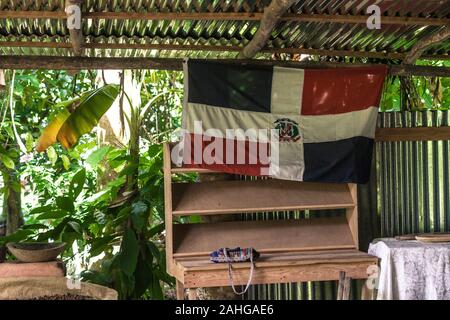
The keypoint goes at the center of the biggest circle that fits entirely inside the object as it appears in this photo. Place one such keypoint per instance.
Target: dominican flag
(288, 123)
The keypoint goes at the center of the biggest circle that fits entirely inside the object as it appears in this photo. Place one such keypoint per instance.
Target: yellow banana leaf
(79, 117)
(48, 136)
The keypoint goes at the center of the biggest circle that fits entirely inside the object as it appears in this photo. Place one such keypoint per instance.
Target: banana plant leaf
(79, 117)
(48, 136)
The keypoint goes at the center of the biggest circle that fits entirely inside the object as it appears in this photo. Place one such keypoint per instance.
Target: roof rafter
(224, 16)
(217, 48)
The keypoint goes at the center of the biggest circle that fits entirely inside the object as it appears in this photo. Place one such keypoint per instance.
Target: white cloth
(412, 270)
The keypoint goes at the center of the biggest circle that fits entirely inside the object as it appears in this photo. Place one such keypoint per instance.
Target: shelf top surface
(282, 259)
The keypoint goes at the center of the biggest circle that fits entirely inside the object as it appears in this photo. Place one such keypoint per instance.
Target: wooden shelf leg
(347, 288)
(367, 293)
(180, 290)
(192, 294)
(341, 285)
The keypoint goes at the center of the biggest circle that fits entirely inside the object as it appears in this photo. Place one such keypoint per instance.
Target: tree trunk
(12, 202)
(2, 248)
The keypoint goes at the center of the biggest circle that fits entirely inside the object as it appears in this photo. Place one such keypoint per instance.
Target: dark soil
(67, 296)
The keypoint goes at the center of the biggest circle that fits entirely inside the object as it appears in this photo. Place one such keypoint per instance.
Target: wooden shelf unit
(313, 249)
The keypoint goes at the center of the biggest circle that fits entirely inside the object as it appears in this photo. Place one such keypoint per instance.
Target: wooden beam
(35, 44)
(73, 8)
(423, 44)
(362, 19)
(20, 14)
(272, 15)
(418, 71)
(412, 134)
(224, 16)
(85, 63)
(215, 48)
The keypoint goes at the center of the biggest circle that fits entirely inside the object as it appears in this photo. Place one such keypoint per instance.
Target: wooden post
(272, 15)
(367, 293)
(341, 285)
(347, 288)
(168, 207)
(352, 214)
(74, 24)
(180, 290)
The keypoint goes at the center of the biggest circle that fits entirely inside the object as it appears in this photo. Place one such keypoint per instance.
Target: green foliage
(133, 257)
(165, 114)
(417, 93)
(117, 232)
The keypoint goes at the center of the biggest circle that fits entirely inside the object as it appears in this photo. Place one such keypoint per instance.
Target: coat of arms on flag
(323, 120)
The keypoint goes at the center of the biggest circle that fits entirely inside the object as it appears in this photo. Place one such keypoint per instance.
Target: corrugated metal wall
(413, 177)
(413, 195)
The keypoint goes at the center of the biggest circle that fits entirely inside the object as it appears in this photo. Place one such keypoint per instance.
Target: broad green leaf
(7, 161)
(154, 250)
(156, 230)
(87, 114)
(139, 211)
(54, 234)
(13, 154)
(68, 237)
(143, 275)
(10, 131)
(66, 161)
(99, 245)
(77, 183)
(157, 289)
(34, 226)
(154, 150)
(122, 215)
(129, 252)
(50, 215)
(65, 203)
(98, 155)
(162, 275)
(52, 156)
(75, 226)
(42, 209)
(17, 236)
(129, 170)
